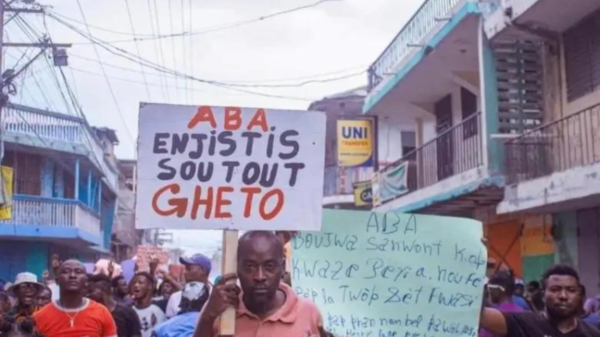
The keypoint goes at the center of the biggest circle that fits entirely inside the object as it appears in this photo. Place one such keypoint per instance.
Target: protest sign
(145, 254)
(389, 274)
(229, 168)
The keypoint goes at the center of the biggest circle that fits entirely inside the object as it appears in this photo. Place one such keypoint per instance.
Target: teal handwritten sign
(393, 275)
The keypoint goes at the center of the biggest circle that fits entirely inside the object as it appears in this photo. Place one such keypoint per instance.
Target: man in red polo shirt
(73, 315)
(265, 306)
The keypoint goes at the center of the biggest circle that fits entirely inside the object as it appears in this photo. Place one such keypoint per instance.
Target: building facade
(503, 97)
(338, 189)
(125, 238)
(554, 168)
(65, 184)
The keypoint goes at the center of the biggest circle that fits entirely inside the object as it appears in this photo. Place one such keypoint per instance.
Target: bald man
(265, 305)
(73, 315)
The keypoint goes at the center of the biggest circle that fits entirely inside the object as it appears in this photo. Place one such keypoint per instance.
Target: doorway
(444, 142)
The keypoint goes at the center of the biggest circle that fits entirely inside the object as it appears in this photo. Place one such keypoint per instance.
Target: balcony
(58, 132)
(541, 16)
(428, 21)
(555, 165)
(444, 176)
(52, 218)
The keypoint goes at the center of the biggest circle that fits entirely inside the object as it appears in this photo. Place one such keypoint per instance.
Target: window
(469, 108)
(27, 173)
(582, 57)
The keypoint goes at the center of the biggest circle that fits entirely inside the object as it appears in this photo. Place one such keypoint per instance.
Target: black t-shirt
(162, 304)
(127, 321)
(538, 301)
(530, 324)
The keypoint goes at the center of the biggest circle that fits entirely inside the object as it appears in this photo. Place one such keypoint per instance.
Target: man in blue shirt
(193, 297)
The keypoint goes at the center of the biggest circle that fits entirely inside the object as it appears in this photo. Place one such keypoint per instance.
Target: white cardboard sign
(207, 167)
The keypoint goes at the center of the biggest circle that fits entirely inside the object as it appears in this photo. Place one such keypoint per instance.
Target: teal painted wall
(37, 258)
(108, 217)
(490, 106)
(18, 257)
(535, 266)
(565, 239)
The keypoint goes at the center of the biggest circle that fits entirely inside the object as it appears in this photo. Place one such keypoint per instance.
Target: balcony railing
(48, 127)
(428, 19)
(53, 212)
(454, 151)
(567, 143)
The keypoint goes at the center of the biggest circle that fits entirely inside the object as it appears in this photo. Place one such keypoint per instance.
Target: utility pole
(6, 77)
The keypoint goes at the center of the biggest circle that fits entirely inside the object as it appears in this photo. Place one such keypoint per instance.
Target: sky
(330, 45)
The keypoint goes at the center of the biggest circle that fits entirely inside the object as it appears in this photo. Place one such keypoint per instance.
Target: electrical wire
(223, 27)
(191, 21)
(173, 45)
(101, 28)
(34, 36)
(230, 82)
(187, 100)
(127, 55)
(122, 79)
(162, 61)
(137, 47)
(163, 81)
(112, 92)
(30, 33)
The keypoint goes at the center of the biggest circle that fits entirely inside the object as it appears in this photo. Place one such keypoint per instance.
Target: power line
(231, 82)
(122, 79)
(137, 47)
(222, 27)
(34, 36)
(127, 55)
(112, 93)
(163, 81)
(187, 100)
(162, 61)
(100, 28)
(173, 44)
(191, 43)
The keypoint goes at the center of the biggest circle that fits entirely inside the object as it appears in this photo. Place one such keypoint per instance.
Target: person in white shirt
(197, 269)
(150, 314)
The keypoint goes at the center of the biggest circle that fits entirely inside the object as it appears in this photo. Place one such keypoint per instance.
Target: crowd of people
(154, 304)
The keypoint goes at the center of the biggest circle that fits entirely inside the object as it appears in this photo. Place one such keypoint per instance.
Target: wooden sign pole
(229, 265)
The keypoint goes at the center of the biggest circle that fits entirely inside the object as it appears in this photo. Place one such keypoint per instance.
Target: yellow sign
(363, 193)
(355, 143)
(7, 191)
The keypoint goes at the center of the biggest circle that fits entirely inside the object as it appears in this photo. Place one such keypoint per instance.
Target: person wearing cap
(197, 269)
(193, 298)
(26, 289)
